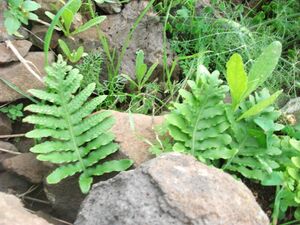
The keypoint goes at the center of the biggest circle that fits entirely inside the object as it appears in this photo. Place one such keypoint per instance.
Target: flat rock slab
(5, 155)
(5, 123)
(18, 75)
(28, 166)
(13, 213)
(6, 54)
(171, 189)
(132, 131)
(11, 183)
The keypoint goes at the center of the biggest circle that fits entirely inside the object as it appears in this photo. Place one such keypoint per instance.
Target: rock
(110, 8)
(5, 123)
(47, 5)
(171, 189)
(67, 205)
(28, 166)
(293, 106)
(49, 218)
(13, 213)
(6, 55)
(292, 110)
(131, 131)
(18, 75)
(14, 184)
(148, 36)
(23, 144)
(3, 155)
(37, 37)
(200, 4)
(130, 136)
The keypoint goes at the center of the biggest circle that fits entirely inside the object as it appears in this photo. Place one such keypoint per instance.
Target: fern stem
(71, 131)
(197, 121)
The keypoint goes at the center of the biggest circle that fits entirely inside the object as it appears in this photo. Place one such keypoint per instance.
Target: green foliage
(243, 137)
(91, 67)
(142, 73)
(19, 12)
(198, 125)
(222, 28)
(255, 139)
(66, 16)
(73, 56)
(79, 140)
(241, 86)
(13, 112)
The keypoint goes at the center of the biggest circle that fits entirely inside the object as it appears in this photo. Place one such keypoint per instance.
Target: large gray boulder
(171, 189)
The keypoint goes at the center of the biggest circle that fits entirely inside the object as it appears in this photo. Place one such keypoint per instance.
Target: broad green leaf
(140, 66)
(32, 16)
(16, 3)
(263, 66)
(78, 54)
(89, 24)
(273, 179)
(294, 173)
(259, 107)
(149, 73)
(64, 47)
(296, 161)
(295, 144)
(30, 6)
(69, 13)
(12, 24)
(237, 79)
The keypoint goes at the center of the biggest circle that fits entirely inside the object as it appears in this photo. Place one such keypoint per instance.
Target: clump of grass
(90, 68)
(223, 28)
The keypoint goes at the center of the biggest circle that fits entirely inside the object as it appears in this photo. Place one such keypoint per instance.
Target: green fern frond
(254, 137)
(76, 140)
(198, 125)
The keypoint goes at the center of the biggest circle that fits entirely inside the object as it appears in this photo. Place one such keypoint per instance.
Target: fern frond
(77, 140)
(198, 125)
(254, 137)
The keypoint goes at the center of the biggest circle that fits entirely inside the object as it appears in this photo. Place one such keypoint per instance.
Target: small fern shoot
(72, 137)
(198, 124)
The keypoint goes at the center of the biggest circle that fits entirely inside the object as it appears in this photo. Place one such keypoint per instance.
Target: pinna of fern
(72, 137)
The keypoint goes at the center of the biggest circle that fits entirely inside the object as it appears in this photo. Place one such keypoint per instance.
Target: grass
(223, 28)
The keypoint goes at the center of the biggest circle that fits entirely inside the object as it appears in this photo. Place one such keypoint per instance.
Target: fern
(198, 125)
(78, 140)
(255, 139)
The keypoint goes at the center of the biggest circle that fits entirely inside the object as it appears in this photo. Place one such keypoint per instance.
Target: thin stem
(11, 136)
(22, 60)
(9, 151)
